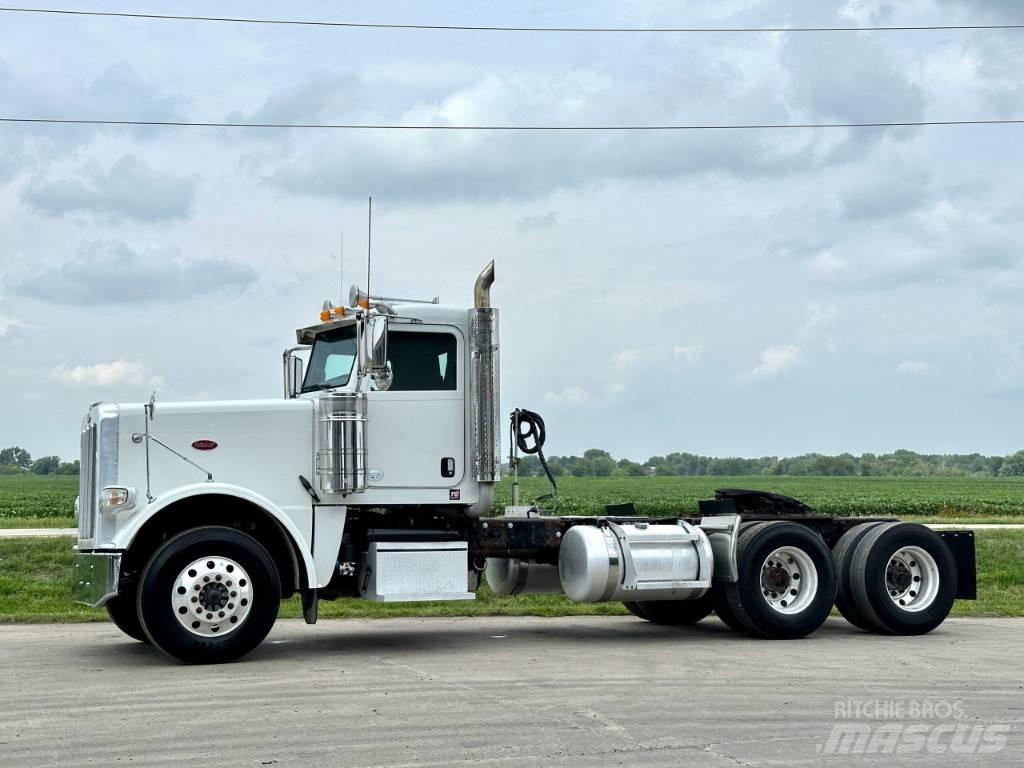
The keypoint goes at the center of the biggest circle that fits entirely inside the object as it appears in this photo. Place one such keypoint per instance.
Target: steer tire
(123, 611)
(841, 556)
(229, 574)
(672, 612)
(876, 579)
(799, 566)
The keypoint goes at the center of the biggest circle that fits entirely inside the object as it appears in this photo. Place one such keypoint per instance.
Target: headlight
(114, 500)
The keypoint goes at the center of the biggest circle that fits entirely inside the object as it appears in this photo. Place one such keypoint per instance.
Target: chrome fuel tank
(635, 561)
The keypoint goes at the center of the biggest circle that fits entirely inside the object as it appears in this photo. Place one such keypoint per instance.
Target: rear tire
(723, 610)
(672, 612)
(123, 611)
(787, 582)
(903, 579)
(209, 595)
(842, 557)
(720, 600)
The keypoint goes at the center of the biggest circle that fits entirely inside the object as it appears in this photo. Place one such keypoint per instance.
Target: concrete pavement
(587, 691)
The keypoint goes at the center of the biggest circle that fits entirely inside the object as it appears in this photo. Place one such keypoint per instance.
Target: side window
(422, 362)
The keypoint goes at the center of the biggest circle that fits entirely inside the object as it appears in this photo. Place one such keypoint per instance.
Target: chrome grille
(87, 484)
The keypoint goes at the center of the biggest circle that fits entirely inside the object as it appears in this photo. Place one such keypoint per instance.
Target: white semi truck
(373, 478)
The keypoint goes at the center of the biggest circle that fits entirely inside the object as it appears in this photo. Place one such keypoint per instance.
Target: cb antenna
(341, 267)
(369, 242)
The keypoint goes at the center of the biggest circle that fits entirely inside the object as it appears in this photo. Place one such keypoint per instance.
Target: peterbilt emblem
(375, 475)
(204, 445)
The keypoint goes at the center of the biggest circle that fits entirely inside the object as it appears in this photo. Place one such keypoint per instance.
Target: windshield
(332, 360)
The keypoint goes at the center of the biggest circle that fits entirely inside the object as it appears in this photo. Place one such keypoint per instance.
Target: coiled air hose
(529, 434)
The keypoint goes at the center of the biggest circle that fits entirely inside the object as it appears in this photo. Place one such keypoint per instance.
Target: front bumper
(94, 577)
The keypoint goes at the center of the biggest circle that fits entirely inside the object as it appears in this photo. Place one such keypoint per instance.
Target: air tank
(512, 576)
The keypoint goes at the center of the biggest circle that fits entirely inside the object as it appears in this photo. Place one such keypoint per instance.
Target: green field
(854, 496)
(35, 497)
(47, 500)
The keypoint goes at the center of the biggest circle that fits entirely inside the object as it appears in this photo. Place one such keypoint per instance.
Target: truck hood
(258, 444)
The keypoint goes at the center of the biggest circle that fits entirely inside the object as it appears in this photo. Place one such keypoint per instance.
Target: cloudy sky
(727, 293)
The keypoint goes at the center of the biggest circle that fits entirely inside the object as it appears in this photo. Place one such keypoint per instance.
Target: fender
(131, 526)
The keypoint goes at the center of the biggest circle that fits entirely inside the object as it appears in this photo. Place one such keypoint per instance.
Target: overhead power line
(497, 127)
(474, 28)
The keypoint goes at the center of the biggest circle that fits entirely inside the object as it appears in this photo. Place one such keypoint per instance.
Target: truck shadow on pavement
(355, 640)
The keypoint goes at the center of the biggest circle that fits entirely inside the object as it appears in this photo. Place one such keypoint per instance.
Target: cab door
(416, 428)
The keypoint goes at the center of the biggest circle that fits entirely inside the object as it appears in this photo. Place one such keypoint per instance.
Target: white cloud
(819, 317)
(9, 323)
(571, 396)
(827, 263)
(914, 367)
(539, 221)
(637, 357)
(688, 353)
(776, 360)
(887, 191)
(131, 189)
(102, 271)
(118, 372)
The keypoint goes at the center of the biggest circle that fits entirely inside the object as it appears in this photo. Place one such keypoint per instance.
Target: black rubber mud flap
(310, 605)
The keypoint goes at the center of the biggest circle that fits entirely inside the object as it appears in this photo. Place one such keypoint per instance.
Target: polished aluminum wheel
(912, 579)
(789, 580)
(212, 596)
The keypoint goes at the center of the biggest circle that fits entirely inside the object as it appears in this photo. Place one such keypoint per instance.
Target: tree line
(902, 463)
(15, 461)
(600, 463)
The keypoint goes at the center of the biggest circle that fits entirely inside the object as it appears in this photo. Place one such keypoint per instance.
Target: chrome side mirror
(293, 372)
(372, 343)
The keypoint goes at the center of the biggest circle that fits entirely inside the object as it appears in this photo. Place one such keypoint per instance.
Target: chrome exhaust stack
(484, 381)
(482, 287)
